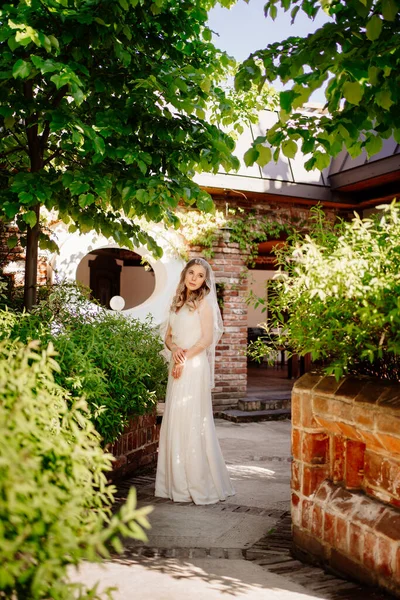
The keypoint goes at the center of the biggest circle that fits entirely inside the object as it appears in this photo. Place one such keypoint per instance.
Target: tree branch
(73, 160)
(54, 103)
(16, 138)
(59, 96)
(15, 149)
(31, 125)
(50, 158)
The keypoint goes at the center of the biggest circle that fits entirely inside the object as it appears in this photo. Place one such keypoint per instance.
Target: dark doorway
(105, 279)
(110, 272)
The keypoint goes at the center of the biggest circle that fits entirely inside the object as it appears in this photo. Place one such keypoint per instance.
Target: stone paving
(237, 549)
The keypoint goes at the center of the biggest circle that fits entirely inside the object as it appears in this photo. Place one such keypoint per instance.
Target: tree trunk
(32, 238)
(31, 262)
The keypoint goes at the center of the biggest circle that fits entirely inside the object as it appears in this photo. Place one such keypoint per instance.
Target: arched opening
(110, 272)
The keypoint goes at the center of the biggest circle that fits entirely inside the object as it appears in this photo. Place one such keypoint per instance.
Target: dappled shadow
(226, 578)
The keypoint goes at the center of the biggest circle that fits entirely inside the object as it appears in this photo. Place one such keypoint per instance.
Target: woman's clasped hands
(179, 358)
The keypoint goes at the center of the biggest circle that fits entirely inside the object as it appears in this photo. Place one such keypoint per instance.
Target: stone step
(243, 416)
(275, 402)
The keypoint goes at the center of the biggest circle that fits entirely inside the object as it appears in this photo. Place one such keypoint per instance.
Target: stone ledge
(346, 475)
(356, 536)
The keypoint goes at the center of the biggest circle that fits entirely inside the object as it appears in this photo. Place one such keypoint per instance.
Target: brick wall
(229, 268)
(285, 210)
(12, 262)
(346, 476)
(136, 449)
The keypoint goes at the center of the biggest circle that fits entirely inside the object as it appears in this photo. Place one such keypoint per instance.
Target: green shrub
(337, 295)
(55, 504)
(114, 362)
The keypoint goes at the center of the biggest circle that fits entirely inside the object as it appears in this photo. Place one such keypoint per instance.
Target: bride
(191, 467)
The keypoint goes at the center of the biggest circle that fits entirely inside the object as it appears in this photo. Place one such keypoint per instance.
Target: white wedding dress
(190, 466)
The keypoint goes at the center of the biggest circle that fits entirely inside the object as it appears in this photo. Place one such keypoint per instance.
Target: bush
(55, 504)
(337, 295)
(114, 362)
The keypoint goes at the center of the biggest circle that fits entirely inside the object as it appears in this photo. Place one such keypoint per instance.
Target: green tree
(102, 115)
(357, 55)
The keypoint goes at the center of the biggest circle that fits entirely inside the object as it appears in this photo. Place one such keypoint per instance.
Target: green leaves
(78, 186)
(48, 442)
(383, 98)
(373, 145)
(338, 290)
(30, 218)
(353, 92)
(322, 160)
(374, 28)
(289, 148)
(205, 203)
(286, 99)
(12, 241)
(250, 156)
(119, 116)
(355, 48)
(86, 200)
(389, 9)
(264, 155)
(21, 69)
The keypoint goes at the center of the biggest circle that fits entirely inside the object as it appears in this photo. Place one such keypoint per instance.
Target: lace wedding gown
(191, 467)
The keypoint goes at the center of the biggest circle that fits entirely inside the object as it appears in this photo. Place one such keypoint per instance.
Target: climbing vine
(246, 228)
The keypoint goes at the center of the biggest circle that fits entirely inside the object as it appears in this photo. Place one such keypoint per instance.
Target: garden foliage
(114, 362)
(245, 227)
(55, 504)
(355, 56)
(337, 295)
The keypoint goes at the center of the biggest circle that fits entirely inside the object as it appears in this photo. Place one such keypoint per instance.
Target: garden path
(236, 549)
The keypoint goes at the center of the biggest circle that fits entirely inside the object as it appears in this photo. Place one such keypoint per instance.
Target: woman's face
(195, 277)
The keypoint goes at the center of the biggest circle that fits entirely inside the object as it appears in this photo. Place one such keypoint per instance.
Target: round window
(116, 272)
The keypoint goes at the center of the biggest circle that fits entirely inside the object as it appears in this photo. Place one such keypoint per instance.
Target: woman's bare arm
(178, 354)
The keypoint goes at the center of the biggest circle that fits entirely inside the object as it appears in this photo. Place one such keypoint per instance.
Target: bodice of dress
(185, 327)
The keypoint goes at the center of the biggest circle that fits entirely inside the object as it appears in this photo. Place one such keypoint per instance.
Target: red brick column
(230, 269)
(346, 476)
(13, 261)
(136, 449)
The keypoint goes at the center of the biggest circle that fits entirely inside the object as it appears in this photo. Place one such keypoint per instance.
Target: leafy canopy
(102, 112)
(357, 55)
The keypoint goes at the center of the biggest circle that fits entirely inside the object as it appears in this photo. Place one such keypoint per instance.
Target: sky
(243, 29)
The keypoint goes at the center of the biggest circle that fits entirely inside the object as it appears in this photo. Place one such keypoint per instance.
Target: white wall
(75, 247)
(83, 272)
(137, 285)
(257, 284)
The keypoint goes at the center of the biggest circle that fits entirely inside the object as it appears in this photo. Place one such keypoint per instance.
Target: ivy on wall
(246, 228)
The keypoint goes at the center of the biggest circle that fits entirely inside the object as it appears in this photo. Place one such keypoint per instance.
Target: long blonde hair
(193, 298)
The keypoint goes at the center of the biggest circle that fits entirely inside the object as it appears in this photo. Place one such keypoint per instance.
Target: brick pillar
(13, 261)
(229, 265)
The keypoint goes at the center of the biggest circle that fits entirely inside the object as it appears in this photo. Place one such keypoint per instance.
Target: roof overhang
(235, 194)
(372, 174)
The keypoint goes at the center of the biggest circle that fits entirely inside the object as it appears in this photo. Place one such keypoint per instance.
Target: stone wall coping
(359, 389)
(307, 381)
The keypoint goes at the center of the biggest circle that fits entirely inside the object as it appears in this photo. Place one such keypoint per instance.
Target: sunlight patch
(246, 471)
